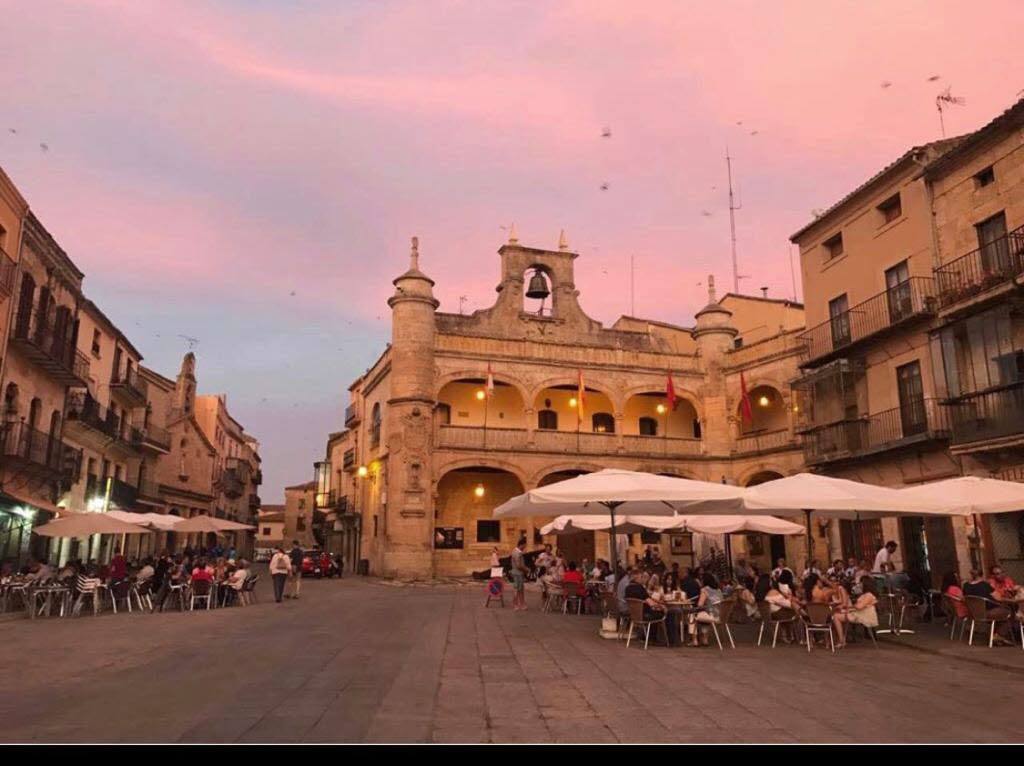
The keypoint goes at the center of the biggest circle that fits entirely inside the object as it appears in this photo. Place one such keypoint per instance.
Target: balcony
(912, 298)
(8, 271)
(130, 387)
(982, 269)
(54, 351)
(231, 484)
(254, 503)
(920, 421)
(149, 492)
(153, 438)
(348, 462)
(764, 441)
(995, 414)
(122, 494)
(86, 414)
(564, 442)
(351, 416)
(37, 453)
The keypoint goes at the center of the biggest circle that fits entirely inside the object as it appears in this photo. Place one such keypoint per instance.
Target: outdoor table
(895, 620)
(686, 609)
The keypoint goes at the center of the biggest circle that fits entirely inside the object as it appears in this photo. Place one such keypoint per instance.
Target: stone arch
(577, 465)
(769, 407)
(685, 394)
(761, 471)
(571, 380)
(485, 462)
(499, 377)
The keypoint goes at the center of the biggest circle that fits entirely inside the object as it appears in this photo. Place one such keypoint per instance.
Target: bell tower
(409, 514)
(185, 386)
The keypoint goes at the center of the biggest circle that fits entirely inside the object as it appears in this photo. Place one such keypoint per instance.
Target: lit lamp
(572, 401)
(479, 490)
(764, 401)
(480, 395)
(361, 471)
(661, 409)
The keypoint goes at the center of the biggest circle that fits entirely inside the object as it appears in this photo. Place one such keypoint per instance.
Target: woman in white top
(861, 612)
(654, 588)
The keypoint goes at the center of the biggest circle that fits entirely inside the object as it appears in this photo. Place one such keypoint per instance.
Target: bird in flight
(606, 133)
(886, 84)
(44, 146)
(604, 187)
(292, 293)
(935, 77)
(12, 130)
(706, 213)
(754, 132)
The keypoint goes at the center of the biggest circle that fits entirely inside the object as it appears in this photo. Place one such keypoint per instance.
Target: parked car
(264, 554)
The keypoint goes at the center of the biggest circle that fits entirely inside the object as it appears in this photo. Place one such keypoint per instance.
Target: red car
(318, 564)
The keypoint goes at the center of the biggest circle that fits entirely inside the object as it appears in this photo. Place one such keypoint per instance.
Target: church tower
(715, 335)
(409, 514)
(185, 387)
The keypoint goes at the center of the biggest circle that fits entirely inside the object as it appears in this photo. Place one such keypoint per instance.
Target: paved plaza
(360, 661)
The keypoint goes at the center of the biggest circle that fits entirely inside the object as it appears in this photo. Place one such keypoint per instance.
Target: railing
(21, 441)
(912, 297)
(87, 411)
(39, 333)
(919, 419)
(254, 502)
(761, 350)
(8, 270)
(660, 446)
(470, 437)
(240, 467)
(349, 459)
(230, 484)
(763, 441)
(122, 494)
(149, 488)
(130, 382)
(999, 261)
(156, 436)
(351, 415)
(988, 415)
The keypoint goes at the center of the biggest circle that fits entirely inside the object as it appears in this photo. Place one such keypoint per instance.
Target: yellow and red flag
(670, 393)
(580, 388)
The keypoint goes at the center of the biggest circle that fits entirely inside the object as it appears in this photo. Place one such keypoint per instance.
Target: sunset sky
(249, 172)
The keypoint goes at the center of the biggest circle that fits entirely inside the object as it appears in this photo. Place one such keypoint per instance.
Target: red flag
(670, 393)
(745, 409)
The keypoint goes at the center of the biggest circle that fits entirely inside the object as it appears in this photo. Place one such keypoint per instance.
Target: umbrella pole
(728, 554)
(810, 537)
(611, 506)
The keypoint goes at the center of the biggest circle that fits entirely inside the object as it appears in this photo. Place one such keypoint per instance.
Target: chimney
(764, 292)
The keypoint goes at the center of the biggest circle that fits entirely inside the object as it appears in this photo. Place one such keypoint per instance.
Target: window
(96, 337)
(488, 531)
(913, 417)
(444, 414)
(302, 505)
(839, 315)
(833, 246)
(375, 426)
(547, 420)
(300, 523)
(266, 531)
(696, 428)
(891, 209)
(737, 343)
(648, 426)
(603, 423)
(995, 256)
(897, 291)
(985, 177)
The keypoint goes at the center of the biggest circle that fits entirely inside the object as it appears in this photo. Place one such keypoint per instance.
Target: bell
(538, 286)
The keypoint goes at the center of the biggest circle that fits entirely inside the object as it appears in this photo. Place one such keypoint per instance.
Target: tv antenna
(733, 207)
(462, 303)
(946, 97)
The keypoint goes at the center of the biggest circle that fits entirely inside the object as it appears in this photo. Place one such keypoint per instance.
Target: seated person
(654, 588)
(202, 572)
(1003, 586)
(978, 587)
(690, 586)
(236, 581)
(625, 579)
(837, 571)
(951, 587)
(817, 590)
(860, 612)
(653, 610)
(572, 581)
(709, 600)
(147, 571)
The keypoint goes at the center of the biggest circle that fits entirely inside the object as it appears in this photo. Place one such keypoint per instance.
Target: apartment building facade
(902, 279)
(461, 413)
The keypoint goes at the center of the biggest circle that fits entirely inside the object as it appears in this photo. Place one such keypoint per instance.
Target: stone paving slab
(353, 661)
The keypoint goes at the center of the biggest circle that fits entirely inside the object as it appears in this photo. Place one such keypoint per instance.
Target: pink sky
(207, 160)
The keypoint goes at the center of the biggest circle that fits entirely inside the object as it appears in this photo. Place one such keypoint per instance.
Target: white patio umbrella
(86, 524)
(165, 522)
(603, 493)
(829, 497)
(205, 523)
(712, 525)
(968, 495)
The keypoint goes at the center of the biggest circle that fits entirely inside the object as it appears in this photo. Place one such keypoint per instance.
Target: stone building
(87, 428)
(460, 413)
(915, 349)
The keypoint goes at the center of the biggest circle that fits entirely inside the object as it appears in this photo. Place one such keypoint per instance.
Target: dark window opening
(891, 209)
(488, 531)
(834, 246)
(547, 420)
(603, 423)
(985, 177)
(648, 427)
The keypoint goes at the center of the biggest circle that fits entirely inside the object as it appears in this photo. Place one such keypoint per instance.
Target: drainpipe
(10, 308)
(933, 228)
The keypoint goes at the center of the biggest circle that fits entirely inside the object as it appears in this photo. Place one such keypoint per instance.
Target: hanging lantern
(538, 286)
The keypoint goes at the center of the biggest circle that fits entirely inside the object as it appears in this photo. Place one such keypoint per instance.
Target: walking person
(295, 554)
(518, 572)
(280, 568)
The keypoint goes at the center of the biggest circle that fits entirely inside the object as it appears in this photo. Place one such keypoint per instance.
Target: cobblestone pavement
(357, 661)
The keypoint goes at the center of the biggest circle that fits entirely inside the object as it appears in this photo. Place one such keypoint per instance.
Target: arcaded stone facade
(429, 449)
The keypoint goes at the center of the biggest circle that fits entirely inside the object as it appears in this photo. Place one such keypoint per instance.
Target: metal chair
(120, 591)
(143, 594)
(200, 590)
(818, 619)
(637, 620)
(248, 593)
(555, 597)
(572, 594)
(978, 608)
(610, 609)
(725, 611)
(778, 619)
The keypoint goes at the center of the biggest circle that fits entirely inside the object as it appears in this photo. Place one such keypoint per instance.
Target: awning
(17, 497)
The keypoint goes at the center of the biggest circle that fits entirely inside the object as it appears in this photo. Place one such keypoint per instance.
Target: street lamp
(661, 409)
(764, 401)
(362, 471)
(479, 490)
(480, 395)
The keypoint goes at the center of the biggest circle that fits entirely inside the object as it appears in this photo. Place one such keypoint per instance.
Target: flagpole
(487, 402)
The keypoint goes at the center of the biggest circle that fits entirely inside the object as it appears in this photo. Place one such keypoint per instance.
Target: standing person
(518, 575)
(118, 566)
(280, 568)
(883, 559)
(295, 554)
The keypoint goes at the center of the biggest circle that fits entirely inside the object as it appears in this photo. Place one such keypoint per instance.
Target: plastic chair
(572, 594)
(86, 588)
(201, 590)
(120, 591)
(949, 608)
(248, 593)
(556, 597)
(818, 619)
(978, 608)
(637, 620)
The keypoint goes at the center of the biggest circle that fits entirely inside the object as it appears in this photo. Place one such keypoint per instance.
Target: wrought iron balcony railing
(81, 407)
(351, 415)
(762, 441)
(22, 444)
(986, 267)
(915, 421)
(155, 437)
(49, 346)
(129, 384)
(987, 415)
(911, 298)
(8, 270)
